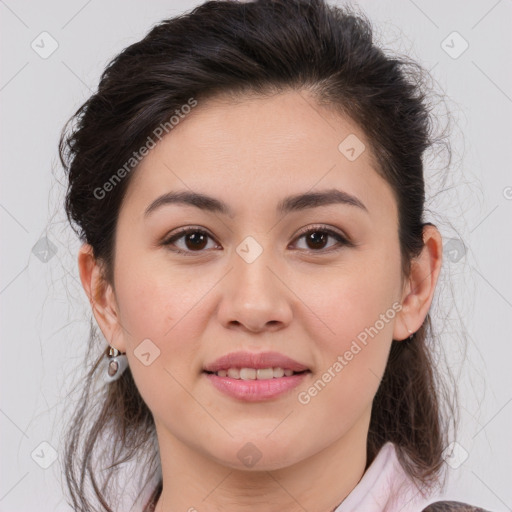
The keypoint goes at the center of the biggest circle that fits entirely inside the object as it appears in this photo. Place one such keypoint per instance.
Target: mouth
(256, 373)
(255, 365)
(255, 384)
(255, 377)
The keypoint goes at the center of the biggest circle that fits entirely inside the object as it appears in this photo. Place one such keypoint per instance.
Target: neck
(194, 482)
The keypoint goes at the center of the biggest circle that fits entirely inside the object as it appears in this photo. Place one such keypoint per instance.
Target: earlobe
(101, 296)
(420, 285)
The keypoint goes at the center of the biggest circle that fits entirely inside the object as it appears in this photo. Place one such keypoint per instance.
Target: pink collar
(384, 487)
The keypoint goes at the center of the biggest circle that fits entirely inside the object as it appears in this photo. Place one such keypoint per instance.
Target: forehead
(254, 148)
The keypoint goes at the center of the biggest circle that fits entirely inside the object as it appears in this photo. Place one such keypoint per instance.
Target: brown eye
(189, 240)
(317, 238)
(195, 240)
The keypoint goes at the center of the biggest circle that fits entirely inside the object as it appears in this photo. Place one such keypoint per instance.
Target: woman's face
(250, 279)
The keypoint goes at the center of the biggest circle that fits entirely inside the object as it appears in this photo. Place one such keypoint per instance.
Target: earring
(411, 334)
(116, 364)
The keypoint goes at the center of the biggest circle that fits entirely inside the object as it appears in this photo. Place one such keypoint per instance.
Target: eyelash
(342, 240)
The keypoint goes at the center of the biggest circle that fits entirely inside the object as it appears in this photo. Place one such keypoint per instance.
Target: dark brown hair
(260, 47)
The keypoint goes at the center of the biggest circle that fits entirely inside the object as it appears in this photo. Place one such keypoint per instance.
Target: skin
(307, 302)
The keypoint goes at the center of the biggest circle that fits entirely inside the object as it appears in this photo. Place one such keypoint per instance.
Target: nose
(255, 296)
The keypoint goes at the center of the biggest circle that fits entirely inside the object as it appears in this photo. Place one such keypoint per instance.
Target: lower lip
(255, 390)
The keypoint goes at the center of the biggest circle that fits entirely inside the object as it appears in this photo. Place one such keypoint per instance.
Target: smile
(255, 373)
(248, 386)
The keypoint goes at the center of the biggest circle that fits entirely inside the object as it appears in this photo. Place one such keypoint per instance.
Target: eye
(316, 238)
(194, 240)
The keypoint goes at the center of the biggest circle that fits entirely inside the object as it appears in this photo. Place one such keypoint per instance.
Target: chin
(258, 455)
(263, 464)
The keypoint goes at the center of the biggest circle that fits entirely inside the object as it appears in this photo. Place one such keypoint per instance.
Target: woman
(248, 185)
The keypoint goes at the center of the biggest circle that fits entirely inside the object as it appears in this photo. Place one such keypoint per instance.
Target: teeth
(264, 373)
(234, 373)
(255, 374)
(247, 373)
(279, 372)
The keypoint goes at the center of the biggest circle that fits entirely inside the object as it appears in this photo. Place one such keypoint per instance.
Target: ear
(101, 296)
(420, 284)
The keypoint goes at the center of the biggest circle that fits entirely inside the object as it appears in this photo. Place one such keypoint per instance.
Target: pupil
(197, 239)
(317, 238)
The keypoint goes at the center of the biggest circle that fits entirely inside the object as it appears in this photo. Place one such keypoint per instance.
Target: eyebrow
(292, 203)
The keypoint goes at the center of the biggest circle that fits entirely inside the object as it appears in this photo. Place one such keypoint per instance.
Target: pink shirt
(384, 487)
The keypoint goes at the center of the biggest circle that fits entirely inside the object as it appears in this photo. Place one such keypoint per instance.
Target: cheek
(348, 377)
(147, 306)
(156, 299)
(356, 300)
(358, 308)
(161, 316)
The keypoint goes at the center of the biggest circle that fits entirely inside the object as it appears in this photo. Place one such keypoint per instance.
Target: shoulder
(452, 506)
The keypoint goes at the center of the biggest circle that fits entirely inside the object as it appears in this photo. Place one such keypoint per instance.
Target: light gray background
(44, 315)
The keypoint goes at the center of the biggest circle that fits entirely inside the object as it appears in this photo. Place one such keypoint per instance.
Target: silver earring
(116, 364)
(411, 334)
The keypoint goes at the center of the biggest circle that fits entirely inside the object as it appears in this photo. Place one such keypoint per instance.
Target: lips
(257, 361)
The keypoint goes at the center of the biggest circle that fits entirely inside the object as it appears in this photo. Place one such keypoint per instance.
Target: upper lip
(254, 360)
